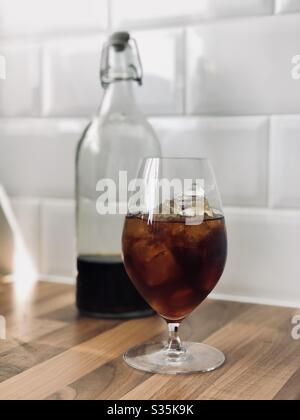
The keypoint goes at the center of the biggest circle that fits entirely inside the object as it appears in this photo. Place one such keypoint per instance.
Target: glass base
(155, 358)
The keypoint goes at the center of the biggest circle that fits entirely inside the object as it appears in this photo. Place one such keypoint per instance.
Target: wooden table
(52, 353)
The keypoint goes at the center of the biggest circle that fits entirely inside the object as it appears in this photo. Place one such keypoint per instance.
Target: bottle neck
(119, 99)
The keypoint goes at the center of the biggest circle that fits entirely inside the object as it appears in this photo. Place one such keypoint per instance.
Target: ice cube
(195, 207)
(137, 227)
(191, 207)
(160, 266)
(208, 211)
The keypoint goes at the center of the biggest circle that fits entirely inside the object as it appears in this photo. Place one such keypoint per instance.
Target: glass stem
(175, 349)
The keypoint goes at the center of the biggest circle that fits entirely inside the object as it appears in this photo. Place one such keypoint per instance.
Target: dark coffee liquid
(175, 266)
(104, 289)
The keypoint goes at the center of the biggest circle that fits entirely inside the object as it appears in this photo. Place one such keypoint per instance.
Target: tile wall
(218, 83)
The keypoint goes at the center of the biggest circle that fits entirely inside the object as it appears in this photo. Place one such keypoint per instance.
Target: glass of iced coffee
(174, 250)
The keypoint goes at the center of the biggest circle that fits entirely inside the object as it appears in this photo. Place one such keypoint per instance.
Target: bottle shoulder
(118, 128)
(82, 139)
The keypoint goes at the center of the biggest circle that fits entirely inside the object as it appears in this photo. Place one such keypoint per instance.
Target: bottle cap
(120, 60)
(119, 40)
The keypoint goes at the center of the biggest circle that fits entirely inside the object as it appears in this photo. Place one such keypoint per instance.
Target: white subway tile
(137, 12)
(234, 8)
(2, 67)
(71, 77)
(27, 213)
(263, 260)
(58, 238)
(33, 17)
(20, 90)
(285, 167)
(243, 67)
(287, 6)
(163, 84)
(71, 74)
(237, 148)
(37, 157)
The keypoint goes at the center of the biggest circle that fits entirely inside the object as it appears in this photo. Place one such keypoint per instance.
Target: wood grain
(52, 353)
(291, 390)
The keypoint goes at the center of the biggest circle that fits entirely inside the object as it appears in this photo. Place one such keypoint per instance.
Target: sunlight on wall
(24, 272)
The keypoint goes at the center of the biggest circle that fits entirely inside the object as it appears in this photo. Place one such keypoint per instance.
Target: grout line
(109, 15)
(85, 119)
(40, 238)
(184, 70)
(159, 116)
(42, 81)
(254, 300)
(57, 279)
(46, 201)
(159, 24)
(269, 164)
(209, 116)
(227, 208)
(40, 118)
(165, 23)
(48, 38)
(262, 211)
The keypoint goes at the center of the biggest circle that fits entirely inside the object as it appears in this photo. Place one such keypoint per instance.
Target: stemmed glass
(174, 249)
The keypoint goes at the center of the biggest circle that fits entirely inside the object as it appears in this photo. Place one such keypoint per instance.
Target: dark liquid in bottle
(105, 291)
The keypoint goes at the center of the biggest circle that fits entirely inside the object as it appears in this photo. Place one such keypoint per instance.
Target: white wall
(218, 82)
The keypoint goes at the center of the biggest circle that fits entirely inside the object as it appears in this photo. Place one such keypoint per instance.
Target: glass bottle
(114, 143)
